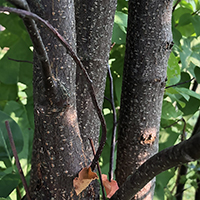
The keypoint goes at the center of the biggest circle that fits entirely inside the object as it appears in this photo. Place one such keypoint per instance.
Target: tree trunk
(60, 150)
(147, 51)
(94, 22)
(57, 140)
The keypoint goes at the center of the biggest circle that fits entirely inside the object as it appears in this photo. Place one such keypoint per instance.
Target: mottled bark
(148, 36)
(94, 22)
(57, 149)
(164, 160)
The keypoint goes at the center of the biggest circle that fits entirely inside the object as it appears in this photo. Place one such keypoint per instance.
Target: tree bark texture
(94, 22)
(148, 38)
(57, 139)
(60, 150)
(183, 152)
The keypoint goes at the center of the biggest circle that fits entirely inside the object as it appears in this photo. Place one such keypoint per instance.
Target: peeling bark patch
(149, 136)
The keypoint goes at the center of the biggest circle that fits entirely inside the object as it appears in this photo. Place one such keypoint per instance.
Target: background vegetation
(180, 104)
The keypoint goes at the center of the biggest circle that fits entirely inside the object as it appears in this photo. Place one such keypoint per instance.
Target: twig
(180, 83)
(177, 2)
(184, 152)
(112, 149)
(173, 124)
(38, 45)
(25, 61)
(12, 144)
(27, 14)
(98, 168)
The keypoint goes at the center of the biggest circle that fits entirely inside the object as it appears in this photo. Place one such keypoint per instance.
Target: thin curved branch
(180, 83)
(112, 148)
(99, 170)
(27, 14)
(186, 151)
(38, 45)
(12, 144)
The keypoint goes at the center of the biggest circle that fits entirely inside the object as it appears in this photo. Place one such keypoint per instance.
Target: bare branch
(174, 7)
(16, 60)
(184, 152)
(112, 149)
(37, 43)
(12, 144)
(180, 83)
(27, 14)
(98, 168)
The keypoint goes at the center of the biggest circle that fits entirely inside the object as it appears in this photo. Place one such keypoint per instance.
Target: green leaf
(119, 36)
(188, 92)
(190, 108)
(176, 36)
(7, 38)
(8, 183)
(179, 12)
(195, 59)
(195, 44)
(186, 5)
(169, 112)
(185, 19)
(119, 28)
(13, 23)
(9, 70)
(8, 92)
(121, 18)
(197, 3)
(173, 70)
(161, 182)
(17, 136)
(197, 74)
(195, 21)
(18, 112)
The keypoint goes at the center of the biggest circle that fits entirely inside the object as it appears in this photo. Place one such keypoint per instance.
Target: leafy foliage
(16, 102)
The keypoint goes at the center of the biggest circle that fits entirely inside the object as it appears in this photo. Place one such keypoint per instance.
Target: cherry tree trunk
(64, 114)
(146, 57)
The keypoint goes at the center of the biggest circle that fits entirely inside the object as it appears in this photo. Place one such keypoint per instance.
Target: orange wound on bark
(85, 177)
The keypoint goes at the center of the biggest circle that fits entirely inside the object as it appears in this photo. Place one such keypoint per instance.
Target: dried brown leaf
(110, 186)
(85, 177)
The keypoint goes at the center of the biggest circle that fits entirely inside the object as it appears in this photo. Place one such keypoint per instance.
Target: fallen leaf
(85, 177)
(110, 186)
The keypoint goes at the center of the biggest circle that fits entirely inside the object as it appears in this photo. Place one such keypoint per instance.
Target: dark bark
(94, 22)
(57, 149)
(148, 36)
(164, 160)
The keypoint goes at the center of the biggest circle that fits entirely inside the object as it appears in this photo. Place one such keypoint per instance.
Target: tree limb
(112, 149)
(38, 45)
(12, 144)
(27, 14)
(186, 151)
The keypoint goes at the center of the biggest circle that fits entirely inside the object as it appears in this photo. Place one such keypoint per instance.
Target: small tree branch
(174, 7)
(112, 149)
(12, 144)
(38, 45)
(186, 151)
(16, 60)
(27, 14)
(98, 168)
(179, 83)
